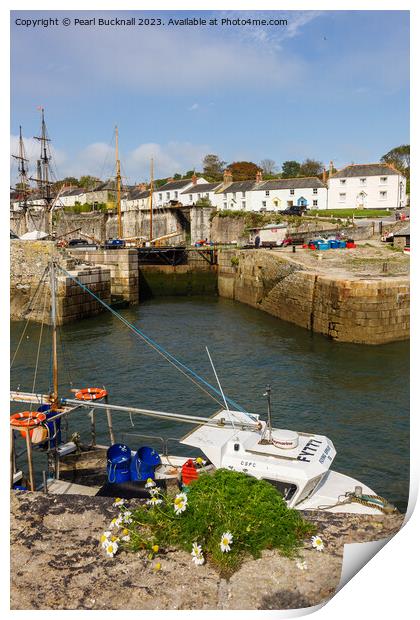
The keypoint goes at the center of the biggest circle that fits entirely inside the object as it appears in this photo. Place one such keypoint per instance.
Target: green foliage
(88, 182)
(213, 167)
(251, 510)
(204, 202)
(243, 170)
(358, 213)
(311, 168)
(290, 169)
(399, 157)
(234, 261)
(86, 208)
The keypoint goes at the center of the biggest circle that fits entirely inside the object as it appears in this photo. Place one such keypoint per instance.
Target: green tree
(399, 157)
(243, 170)
(311, 168)
(66, 181)
(213, 167)
(88, 182)
(290, 169)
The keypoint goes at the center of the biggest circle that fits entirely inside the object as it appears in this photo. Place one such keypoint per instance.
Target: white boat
(298, 464)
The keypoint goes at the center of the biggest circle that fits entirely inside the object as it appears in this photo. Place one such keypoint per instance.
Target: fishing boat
(297, 464)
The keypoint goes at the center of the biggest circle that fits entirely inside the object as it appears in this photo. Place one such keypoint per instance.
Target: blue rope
(156, 345)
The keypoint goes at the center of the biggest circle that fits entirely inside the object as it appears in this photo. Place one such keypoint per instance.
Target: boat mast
(118, 182)
(54, 399)
(43, 167)
(23, 185)
(151, 200)
(269, 417)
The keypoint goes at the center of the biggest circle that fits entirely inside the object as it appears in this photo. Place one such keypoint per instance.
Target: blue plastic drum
(54, 428)
(144, 463)
(118, 463)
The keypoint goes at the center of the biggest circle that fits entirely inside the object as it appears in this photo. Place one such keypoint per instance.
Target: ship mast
(23, 185)
(43, 168)
(151, 200)
(54, 396)
(118, 183)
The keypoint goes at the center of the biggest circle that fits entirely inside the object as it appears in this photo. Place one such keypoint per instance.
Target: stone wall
(349, 310)
(123, 267)
(30, 299)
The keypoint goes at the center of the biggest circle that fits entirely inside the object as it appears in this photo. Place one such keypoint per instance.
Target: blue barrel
(342, 244)
(144, 463)
(323, 246)
(118, 463)
(55, 441)
(333, 243)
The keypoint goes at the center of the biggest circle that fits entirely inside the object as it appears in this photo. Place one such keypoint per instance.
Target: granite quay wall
(123, 267)
(30, 299)
(355, 310)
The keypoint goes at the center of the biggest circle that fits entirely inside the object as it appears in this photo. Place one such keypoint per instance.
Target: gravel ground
(56, 563)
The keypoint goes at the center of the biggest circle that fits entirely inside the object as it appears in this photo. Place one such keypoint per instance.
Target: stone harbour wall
(364, 311)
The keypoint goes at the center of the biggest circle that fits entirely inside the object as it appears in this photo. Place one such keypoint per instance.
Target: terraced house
(367, 186)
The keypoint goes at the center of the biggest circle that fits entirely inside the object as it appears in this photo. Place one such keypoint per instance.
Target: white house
(137, 199)
(367, 186)
(280, 194)
(70, 196)
(190, 196)
(273, 195)
(174, 191)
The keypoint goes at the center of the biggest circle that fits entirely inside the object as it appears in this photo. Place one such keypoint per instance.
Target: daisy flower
(153, 492)
(197, 554)
(118, 502)
(317, 543)
(116, 522)
(150, 483)
(153, 501)
(126, 517)
(301, 565)
(104, 540)
(125, 535)
(111, 548)
(225, 542)
(180, 503)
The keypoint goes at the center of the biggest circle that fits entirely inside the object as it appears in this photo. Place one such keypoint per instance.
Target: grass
(226, 501)
(358, 213)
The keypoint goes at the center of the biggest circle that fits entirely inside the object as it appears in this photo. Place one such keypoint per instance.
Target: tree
(66, 181)
(213, 167)
(88, 182)
(290, 169)
(268, 166)
(243, 170)
(177, 176)
(399, 157)
(311, 168)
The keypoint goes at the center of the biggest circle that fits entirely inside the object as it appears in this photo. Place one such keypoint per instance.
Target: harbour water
(356, 395)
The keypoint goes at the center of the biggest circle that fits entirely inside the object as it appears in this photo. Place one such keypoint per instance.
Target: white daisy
(153, 501)
(116, 522)
(226, 541)
(198, 560)
(317, 543)
(118, 502)
(197, 554)
(111, 548)
(180, 503)
(150, 483)
(126, 517)
(153, 492)
(301, 564)
(104, 540)
(125, 535)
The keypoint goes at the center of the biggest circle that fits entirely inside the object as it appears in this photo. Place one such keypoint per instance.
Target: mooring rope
(180, 366)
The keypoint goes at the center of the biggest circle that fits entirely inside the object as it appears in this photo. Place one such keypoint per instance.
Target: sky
(331, 85)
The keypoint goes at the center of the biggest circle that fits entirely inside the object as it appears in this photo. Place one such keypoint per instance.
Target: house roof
(137, 194)
(73, 191)
(201, 187)
(238, 186)
(295, 183)
(364, 170)
(178, 184)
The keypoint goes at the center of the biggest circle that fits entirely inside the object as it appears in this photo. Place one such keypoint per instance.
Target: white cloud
(194, 106)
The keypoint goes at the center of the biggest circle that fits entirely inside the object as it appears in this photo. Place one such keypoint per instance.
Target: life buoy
(91, 394)
(27, 419)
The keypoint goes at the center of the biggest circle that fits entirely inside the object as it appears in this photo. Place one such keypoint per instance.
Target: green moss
(226, 501)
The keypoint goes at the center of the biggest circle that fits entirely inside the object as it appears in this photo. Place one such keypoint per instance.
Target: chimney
(142, 187)
(227, 177)
(194, 179)
(169, 180)
(331, 169)
(324, 176)
(258, 176)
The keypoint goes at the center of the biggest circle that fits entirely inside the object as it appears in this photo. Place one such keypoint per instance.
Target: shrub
(251, 510)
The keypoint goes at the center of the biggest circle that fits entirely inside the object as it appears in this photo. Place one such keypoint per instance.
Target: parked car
(294, 210)
(114, 244)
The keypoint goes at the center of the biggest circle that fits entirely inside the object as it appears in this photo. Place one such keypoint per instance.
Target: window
(315, 190)
(191, 197)
(168, 195)
(207, 195)
(267, 192)
(362, 181)
(176, 194)
(243, 204)
(384, 179)
(264, 203)
(315, 203)
(292, 192)
(243, 194)
(342, 181)
(342, 197)
(233, 195)
(383, 195)
(160, 196)
(225, 205)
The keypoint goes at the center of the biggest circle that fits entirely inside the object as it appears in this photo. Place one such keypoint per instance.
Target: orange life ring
(27, 419)
(91, 394)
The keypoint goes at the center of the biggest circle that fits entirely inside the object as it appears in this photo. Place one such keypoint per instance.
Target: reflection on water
(356, 395)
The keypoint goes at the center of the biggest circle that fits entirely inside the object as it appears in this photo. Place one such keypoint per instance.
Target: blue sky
(330, 85)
